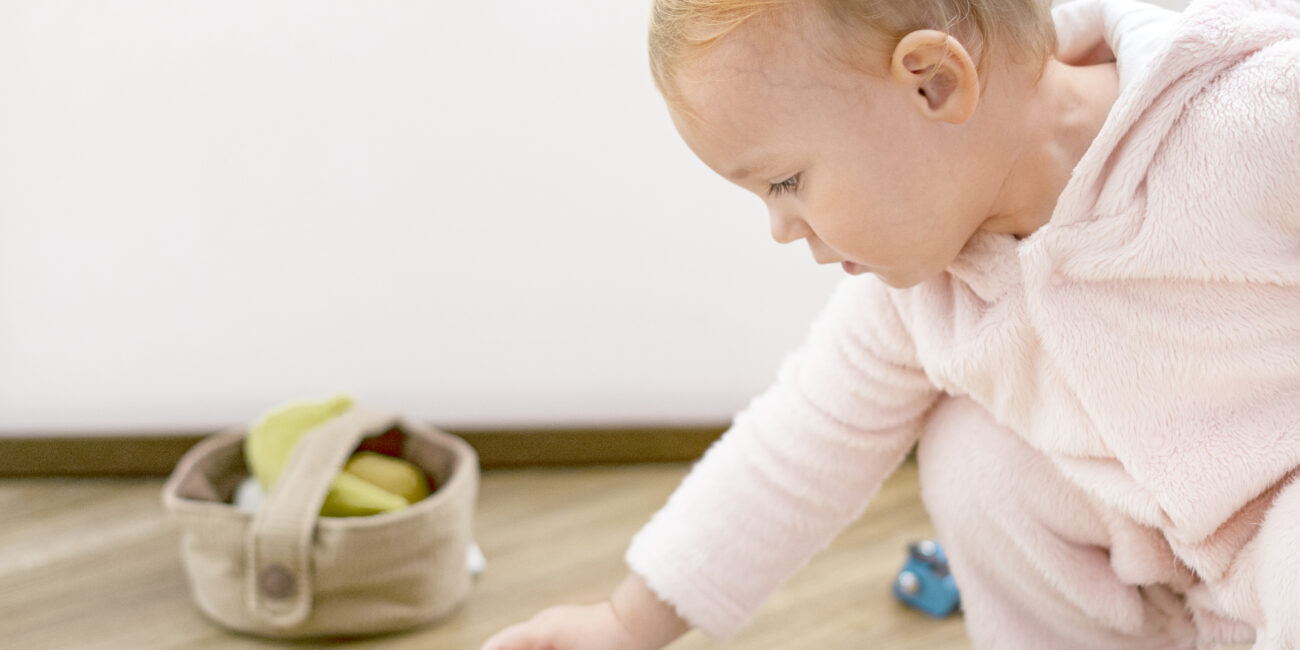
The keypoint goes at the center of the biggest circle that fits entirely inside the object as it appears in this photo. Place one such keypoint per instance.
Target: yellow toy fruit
(394, 475)
(350, 496)
(271, 440)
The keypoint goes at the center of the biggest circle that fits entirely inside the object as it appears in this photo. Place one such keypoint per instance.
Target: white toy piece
(248, 496)
(475, 560)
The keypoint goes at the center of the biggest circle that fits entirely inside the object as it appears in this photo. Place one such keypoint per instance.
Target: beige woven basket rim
(461, 472)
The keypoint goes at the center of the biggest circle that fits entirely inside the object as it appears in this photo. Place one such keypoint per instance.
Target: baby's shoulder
(1220, 197)
(1258, 94)
(1234, 68)
(1236, 137)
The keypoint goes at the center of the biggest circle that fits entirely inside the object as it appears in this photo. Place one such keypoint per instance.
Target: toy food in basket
(368, 484)
(364, 526)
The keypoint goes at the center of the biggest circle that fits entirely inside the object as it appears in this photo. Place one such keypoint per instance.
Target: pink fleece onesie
(1140, 354)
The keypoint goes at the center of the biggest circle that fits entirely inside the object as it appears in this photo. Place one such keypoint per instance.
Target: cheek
(841, 216)
(859, 214)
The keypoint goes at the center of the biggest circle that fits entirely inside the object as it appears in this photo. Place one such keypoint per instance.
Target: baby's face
(841, 157)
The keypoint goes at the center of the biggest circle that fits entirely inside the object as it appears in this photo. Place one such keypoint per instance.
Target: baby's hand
(569, 627)
(633, 619)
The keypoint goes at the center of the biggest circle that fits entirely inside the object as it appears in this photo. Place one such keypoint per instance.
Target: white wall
(476, 212)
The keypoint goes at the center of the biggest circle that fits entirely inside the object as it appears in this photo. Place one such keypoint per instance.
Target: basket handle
(277, 550)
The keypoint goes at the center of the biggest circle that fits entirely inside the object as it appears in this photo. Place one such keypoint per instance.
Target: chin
(904, 279)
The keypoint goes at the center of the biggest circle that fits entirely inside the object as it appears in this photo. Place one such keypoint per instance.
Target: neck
(1055, 123)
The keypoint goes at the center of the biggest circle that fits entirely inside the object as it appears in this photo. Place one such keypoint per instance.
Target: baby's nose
(787, 228)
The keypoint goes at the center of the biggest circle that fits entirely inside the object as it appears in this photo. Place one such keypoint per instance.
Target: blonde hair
(683, 29)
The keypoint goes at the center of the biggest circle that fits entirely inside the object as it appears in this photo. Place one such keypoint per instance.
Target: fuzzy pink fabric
(1147, 340)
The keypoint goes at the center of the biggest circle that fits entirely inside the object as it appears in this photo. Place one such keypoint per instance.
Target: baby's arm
(798, 465)
(632, 619)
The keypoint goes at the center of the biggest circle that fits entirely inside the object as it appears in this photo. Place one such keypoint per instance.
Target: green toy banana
(369, 484)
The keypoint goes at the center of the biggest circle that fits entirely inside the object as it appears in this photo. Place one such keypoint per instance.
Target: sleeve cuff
(697, 602)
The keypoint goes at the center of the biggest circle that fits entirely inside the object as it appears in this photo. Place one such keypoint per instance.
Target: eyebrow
(744, 171)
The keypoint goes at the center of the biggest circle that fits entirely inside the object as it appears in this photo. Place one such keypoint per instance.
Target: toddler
(1074, 260)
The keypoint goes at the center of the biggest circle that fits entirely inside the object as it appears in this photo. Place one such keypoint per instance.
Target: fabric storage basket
(284, 571)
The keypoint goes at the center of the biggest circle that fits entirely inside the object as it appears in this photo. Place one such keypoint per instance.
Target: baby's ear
(939, 73)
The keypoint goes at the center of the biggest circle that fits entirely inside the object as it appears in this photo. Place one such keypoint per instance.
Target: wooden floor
(93, 563)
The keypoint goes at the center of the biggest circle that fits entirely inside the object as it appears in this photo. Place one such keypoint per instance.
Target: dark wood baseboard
(157, 455)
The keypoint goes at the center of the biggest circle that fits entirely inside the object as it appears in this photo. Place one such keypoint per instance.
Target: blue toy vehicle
(925, 583)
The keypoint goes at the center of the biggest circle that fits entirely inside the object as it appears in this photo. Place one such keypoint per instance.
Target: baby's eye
(788, 185)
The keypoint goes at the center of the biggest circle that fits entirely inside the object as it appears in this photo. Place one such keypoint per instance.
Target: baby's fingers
(567, 627)
(523, 636)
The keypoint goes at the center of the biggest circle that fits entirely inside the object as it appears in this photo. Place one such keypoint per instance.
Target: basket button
(276, 582)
